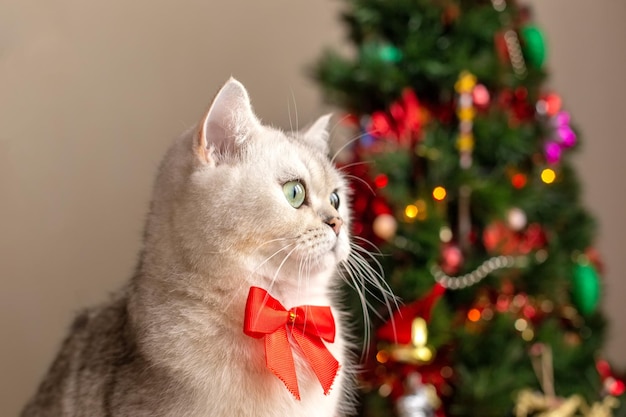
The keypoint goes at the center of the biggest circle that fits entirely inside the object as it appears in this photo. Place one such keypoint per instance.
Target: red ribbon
(308, 326)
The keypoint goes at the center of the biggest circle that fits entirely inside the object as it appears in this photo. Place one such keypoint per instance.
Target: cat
(236, 206)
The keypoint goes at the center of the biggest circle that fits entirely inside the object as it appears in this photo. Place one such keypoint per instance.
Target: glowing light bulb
(548, 176)
(419, 332)
(439, 193)
(518, 180)
(473, 315)
(382, 356)
(411, 211)
(381, 181)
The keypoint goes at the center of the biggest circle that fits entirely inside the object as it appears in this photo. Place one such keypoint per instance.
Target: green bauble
(381, 51)
(390, 53)
(585, 288)
(534, 45)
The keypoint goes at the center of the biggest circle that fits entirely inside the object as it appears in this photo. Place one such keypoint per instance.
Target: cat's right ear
(228, 123)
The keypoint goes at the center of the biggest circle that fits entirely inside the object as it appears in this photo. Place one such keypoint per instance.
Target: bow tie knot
(309, 326)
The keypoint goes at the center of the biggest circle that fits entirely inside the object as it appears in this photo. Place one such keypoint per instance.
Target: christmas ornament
(389, 53)
(415, 211)
(416, 352)
(534, 45)
(553, 152)
(517, 101)
(410, 373)
(480, 96)
(563, 137)
(465, 86)
(499, 238)
(402, 121)
(549, 105)
(451, 259)
(611, 384)
(546, 403)
(536, 404)
(380, 51)
(465, 113)
(381, 181)
(482, 271)
(439, 193)
(519, 180)
(594, 257)
(385, 226)
(516, 219)
(548, 175)
(419, 399)
(307, 326)
(585, 287)
(399, 328)
(508, 43)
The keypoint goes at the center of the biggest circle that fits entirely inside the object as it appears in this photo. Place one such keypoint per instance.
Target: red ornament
(401, 122)
(596, 259)
(612, 385)
(517, 102)
(380, 125)
(451, 259)
(552, 103)
(398, 328)
(500, 239)
(501, 48)
(480, 96)
(381, 181)
(519, 180)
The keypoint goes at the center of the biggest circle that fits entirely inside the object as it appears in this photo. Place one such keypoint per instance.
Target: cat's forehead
(308, 163)
(293, 158)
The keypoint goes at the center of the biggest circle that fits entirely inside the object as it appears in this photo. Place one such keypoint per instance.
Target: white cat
(236, 205)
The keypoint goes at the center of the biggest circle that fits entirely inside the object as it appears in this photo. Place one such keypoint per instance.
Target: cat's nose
(335, 223)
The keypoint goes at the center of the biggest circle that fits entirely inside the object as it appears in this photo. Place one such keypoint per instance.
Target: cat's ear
(227, 124)
(317, 134)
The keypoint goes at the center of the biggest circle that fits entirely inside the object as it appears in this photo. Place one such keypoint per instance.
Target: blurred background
(92, 93)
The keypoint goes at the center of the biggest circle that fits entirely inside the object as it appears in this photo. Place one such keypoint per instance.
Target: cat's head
(237, 193)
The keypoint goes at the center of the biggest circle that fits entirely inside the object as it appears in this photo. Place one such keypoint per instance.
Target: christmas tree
(462, 178)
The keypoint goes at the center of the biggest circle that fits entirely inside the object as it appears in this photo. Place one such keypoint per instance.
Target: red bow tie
(307, 325)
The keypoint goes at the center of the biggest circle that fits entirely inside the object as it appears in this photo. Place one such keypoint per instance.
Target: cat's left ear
(227, 124)
(317, 134)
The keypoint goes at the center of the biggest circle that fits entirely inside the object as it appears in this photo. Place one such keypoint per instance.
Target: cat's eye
(294, 193)
(334, 199)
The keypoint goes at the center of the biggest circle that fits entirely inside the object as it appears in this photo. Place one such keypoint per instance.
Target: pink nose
(335, 223)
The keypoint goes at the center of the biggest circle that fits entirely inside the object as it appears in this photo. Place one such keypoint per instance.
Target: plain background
(91, 94)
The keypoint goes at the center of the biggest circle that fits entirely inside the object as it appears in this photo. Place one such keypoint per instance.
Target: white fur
(219, 223)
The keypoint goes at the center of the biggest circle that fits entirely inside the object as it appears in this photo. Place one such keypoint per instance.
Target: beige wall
(91, 93)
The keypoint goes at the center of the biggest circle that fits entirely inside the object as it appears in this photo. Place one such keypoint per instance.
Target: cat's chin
(305, 272)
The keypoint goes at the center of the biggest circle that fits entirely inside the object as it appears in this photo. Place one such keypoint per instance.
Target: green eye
(334, 199)
(294, 193)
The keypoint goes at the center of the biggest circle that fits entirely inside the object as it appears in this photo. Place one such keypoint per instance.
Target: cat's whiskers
(372, 277)
(260, 265)
(304, 269)
(380, 282)
(273, 280)
(345, 145)
(334, 126)
(361, 180)
(350, 277)
(295, 107)
(367, 281)
(344, 168)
